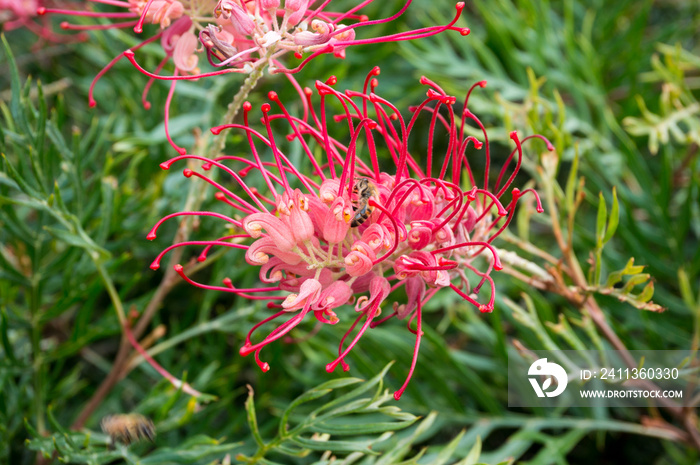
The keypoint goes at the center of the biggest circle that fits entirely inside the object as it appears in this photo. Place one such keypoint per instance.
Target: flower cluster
(346, 234)
(238, 36)
(15, 14)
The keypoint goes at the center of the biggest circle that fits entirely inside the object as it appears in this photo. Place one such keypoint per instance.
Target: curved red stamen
(497, 261)
(139, 24)
(370, 316)
(396, 232)
(129, 54)
(416, 347)
(152, 233)
(156, 263)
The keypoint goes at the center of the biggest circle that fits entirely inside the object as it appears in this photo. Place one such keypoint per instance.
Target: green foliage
(80, 188)
(678, 108)
(344, 418)
(96, 448)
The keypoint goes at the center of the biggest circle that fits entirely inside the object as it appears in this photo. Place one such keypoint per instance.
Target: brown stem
(194, 197)
(119, 367)
(105, 386)
(690, 424)
(587, 303)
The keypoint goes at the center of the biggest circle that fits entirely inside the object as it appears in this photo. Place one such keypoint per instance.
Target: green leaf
(193, 450)
(448, 450)
(614, 218)
(361, 389)
(107, 208)
(313, 394)
(9, 272)
(335, 446)
(600, 220)
(15, 85)
(629, 269)
(647, 293)
(4, 338)
(686, 289)
(404, 445)
(362, 428)
(19, 179)
(633, 281)
(571, 182)
(252, 417)
(473, 454)
(78, 240)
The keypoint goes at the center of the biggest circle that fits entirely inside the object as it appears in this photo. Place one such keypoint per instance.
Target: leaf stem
(194, 198)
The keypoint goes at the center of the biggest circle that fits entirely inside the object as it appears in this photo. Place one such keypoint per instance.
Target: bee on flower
(342, 232)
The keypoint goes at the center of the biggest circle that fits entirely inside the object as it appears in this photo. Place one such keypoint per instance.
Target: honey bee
(364, 189)
(128, 428)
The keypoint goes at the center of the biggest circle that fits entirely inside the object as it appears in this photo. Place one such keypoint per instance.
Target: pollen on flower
(339, 232)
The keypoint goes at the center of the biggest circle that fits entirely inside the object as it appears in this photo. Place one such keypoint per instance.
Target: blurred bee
(364, 189)
(128, 428)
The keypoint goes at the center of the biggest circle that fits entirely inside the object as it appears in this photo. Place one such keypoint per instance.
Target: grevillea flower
(341, 232)
(238, 36)
(15, 14)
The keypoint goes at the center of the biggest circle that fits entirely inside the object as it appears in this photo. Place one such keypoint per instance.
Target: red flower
(341, 227)
(238, 36)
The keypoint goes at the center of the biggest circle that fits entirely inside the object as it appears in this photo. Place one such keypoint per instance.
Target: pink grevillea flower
(342, 231)
(176, 30)
(237, 36)
(15, 14)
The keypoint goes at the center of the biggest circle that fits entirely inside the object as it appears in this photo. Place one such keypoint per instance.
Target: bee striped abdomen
(361, 215)
(365, 190)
